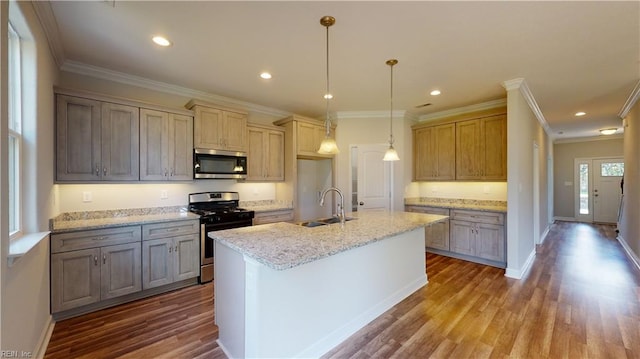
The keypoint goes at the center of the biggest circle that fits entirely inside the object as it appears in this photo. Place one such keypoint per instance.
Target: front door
(372, 189)
(607, 174)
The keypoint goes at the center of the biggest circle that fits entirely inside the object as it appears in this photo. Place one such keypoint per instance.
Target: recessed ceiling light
(580, 113)
(608, 131)
(435, 92)
(161, 40)
(265, 75)
(328, 96)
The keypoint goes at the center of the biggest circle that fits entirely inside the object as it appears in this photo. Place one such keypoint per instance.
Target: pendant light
(328, 145)
(391, 154)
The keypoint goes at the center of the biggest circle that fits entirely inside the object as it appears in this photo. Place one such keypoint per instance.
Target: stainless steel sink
(323, 221)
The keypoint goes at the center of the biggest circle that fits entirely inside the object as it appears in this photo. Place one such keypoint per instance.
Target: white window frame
(15, 133)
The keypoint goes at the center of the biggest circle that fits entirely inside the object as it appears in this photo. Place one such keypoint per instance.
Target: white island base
(307, 310)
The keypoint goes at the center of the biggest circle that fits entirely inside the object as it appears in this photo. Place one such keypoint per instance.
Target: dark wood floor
(581, 299)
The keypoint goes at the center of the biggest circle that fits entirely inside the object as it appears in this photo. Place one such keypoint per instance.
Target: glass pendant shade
(328, 146)
(391, 155)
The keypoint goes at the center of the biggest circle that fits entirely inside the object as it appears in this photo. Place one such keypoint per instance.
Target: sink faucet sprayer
(340, 213)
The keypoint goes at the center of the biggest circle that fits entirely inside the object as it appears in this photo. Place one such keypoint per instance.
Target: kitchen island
(283, 290)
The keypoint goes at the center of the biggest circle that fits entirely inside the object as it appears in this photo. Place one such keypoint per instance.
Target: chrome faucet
(340, 213)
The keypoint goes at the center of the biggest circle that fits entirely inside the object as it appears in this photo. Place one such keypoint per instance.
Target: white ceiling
(574, 56)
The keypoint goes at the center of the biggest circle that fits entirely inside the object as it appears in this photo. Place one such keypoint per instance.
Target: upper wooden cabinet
(434, 153)
(166, 146)
(265, 156)
(218, 128)
(96, 140)
(467, 147)
(481, 149)
(309, 133)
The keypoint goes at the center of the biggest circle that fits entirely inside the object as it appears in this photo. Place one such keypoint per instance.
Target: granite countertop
(75, 221)
(473, 204)
(266, 205)
(285, 245)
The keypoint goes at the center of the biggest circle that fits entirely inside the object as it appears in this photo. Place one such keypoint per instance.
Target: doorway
(598, 191)
(371, 178)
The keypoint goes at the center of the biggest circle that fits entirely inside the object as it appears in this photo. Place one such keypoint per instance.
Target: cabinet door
(437, 236)
(180, 147)
(423, 161)
(75, 279)
(468, 146)
(275, 158)
(154, 161)
(120, 270)
(490, 242)
(494, 139)
(256, 155)
(235, 131)
(78, 128)
(462, 237)
(157, 262)
(120, 143)
(444, 137)
(307, 139)
(187, 257)
(207, 131)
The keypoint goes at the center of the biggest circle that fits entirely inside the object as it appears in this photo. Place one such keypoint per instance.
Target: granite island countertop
(285, 245)
(266, 205)
(455, 203)
(76, 221)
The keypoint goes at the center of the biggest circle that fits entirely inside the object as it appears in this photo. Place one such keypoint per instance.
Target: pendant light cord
(391, 109)
(327, 121)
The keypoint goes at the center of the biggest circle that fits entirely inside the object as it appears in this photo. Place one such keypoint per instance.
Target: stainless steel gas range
(218, 211)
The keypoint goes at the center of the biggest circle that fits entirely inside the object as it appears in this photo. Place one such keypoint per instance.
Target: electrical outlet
(487, 189)
(164, 194)
(87, 197)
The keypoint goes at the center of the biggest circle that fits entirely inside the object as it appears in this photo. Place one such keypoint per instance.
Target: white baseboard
(43, 343)
(565, 219)
(634, 258)
(519, 273)
(544, 234)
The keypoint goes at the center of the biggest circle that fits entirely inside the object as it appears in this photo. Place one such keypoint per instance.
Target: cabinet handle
(176, 250)
(165, 172)
(104, 259)
(170, 249)
(175, 229)
(171, 174)
(99, 238)
(97, 170)
(95, 260)
(104, 171)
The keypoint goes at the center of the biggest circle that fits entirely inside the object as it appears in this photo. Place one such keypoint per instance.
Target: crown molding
(521, 84)
(462, 110)
(631, 101)
(47, 20)
(133, 80)
(617, 136)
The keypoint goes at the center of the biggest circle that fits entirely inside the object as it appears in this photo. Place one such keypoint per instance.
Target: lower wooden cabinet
(86, 276)
(283, 215)
(436, 236)
(168, 260)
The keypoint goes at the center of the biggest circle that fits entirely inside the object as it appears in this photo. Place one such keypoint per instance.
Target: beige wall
(494, 191)
(523, 131)
(564, 155)
(24, 286)
(629, 224)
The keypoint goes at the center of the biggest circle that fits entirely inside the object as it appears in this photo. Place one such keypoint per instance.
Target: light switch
(87, 197)
(164, 194)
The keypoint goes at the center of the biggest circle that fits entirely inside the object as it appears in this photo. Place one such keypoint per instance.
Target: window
(584, 188)
(612, 169)
(15, 134)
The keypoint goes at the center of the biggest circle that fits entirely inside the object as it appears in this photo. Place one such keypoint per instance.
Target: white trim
(521, 85)
(465, 109)
(544, 235)
(45, 337)
(21, 246)
(565, 219)
(632, 256)
(631, 101)
(589, 139)
(133, 80)
(369, 114)
(47, 20)
(518, 274)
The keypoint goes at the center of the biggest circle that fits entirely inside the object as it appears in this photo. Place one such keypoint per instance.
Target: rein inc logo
(14, 354)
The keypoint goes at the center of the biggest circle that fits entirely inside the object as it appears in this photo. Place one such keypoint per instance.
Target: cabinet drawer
(428, 210)
(169, 229)
(272, 217)
(478, 216)
(64, 242)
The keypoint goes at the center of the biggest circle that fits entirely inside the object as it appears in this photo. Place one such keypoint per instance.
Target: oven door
(206, 245)
(219, 164)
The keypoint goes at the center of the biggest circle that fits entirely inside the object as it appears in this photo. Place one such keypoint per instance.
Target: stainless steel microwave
(219, 164)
